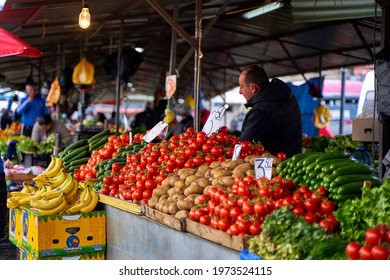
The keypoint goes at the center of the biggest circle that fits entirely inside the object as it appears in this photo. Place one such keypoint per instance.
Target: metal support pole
(118, 82)
(198, 56)
(342, 101)
(172, 60)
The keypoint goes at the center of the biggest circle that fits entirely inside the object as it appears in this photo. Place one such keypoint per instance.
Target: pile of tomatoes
(376, 245)
(145, 171)
(241, 208)
(114, 142)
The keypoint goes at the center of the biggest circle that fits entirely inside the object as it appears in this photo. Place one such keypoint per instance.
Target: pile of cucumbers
(80, 151)
(343, 178)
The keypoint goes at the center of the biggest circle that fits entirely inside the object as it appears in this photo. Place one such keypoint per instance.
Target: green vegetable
(358, 215)
(285, 236)
(331, 247)
(27, 145)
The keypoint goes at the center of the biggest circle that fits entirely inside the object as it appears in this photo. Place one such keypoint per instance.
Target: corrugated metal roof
(278, 40)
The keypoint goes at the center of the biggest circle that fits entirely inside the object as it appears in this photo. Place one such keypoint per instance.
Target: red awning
(11, 44)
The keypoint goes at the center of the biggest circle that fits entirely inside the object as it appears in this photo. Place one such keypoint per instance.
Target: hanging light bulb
(85, 16)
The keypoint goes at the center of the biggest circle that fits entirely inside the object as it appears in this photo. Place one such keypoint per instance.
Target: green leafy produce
(27, 145)
(47, 146)
(331, 247)
(358, 215)
(285, 236)
(3, 149)
(343, 143)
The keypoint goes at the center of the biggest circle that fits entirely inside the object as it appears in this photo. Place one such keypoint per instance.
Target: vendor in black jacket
(275, 116)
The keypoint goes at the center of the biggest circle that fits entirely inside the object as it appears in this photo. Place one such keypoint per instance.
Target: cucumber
(343, 197)
(341, 180)
(333, 155)
(336, 164)
(327, 162)
(97, 144)
(79, 161)
(282, 165)
(352, 187)
(309, 160)
(350, 169)
(75, 145)
(78, 156)
(75, 152)
(298, 157)
(99, 135)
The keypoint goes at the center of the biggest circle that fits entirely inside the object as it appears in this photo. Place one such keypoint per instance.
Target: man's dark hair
(255, 74)
(45, 120)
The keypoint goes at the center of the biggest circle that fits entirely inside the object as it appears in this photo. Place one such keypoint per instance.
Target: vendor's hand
(8, 164)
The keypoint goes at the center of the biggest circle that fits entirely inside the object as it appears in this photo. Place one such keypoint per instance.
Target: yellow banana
(52, 170)
(55, 210)
(26, 188)
(47, 204)
(64, 188)
(58, 180)
(12, 203)
(37, 195)
(19, 194)
(73, 193)
(91, 206)
(52, 194)
(80, 203)
(67, 185)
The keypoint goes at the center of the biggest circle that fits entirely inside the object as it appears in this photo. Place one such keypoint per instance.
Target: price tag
(214, 121)
(155, 131)
(237, 151)
(170, 85)
(130, 137)
(263, 168)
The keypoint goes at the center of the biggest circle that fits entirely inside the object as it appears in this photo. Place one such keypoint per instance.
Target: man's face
(247, 90)
(32, 90)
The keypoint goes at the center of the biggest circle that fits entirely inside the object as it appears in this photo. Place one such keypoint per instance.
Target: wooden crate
(165, 219)
(217, 236)
(120, 204)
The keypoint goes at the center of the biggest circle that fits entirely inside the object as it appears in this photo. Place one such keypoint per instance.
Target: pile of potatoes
(179, 192)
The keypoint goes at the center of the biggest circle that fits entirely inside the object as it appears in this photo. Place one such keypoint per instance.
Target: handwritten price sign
(237, 151)
(263, 168)
(158, 129)
(214, 121)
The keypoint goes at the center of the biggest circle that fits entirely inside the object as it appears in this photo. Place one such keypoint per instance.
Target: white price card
(170, 85)
(130, 137)
(160, 128)
(237, 151)
(263, 168)
(214, 121)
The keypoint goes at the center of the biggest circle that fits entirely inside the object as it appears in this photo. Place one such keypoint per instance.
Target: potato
(238, 174)
(186, 170)
(203, 182)
(165, 208)
(160, 191)
(242, 168)
(214, 181)
(207, 174)
(166, 182)
(164, 197)
(191, 179)
(152, 201)
(179, 183)
(172, 208)
(275, 161)
(179, 189)
(231, 164)
(222, 173)
(192, 197)
(202, 170)
(173, 179)
(250, 172)
(184, 176)
(171, 192)
(182, 214)
(274, 173)
(185, 204)
(159, 205)
(251, 159)
(215, 164)
(177, 196)
(226, 180)
(215, 170)
(194, 188)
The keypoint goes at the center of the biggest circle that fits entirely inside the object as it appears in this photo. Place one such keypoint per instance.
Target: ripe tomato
(281, 156)
(365, 253)
(260, 208)
(352, 249)
(327, 225)
(373, 236)
(205, 220)
(310, 205)
(216, 151)
(224, 224)
(310, 217)
(327, 206)
(115, 167)
(223, 129)
(246, 146)
(255, 229)
(234, 229)
(247, 208)
(224, 213)
(379, 253)
(105, 190)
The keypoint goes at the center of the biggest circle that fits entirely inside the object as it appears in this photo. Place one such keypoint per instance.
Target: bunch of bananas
(57, 192)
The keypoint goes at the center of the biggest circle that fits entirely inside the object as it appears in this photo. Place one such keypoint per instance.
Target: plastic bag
(84, 73)
(322, 117)
(54, 93)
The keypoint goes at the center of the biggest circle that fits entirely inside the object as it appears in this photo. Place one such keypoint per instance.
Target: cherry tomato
(379, 253)
(327, 206)
(224, 224)
(373, 236)
(105, 190)
(205, 220)
(281, 156)
(365, 253)
(327, 225)
(116, 167)
(255, 229)
(352, 249)
(260, 208)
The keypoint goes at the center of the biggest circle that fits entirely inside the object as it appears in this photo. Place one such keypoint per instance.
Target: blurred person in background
(31, 107)
(6, 119)
(45, 127)
(184, 118)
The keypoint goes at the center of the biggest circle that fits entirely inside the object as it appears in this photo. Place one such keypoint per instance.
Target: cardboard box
(366, 130)
(15, 227)
(98, 255)
(53, 235)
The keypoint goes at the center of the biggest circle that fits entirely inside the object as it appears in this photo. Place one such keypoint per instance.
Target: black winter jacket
(274, 120)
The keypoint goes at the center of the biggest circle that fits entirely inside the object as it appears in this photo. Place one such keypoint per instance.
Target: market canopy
(11, 44)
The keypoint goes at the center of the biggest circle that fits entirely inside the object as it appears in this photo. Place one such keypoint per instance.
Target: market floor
(8, 251)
